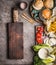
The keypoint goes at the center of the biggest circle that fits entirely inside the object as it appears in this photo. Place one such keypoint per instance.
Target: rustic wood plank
(15, 40)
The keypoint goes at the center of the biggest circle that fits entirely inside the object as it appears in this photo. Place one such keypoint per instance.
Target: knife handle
(15, 15)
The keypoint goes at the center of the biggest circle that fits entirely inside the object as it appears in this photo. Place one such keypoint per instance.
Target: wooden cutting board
(15, 42)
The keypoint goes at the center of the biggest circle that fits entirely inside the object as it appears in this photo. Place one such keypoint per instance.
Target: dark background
(29, 33)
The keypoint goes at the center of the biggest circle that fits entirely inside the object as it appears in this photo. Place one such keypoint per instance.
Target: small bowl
(43, 53)
(23, 5)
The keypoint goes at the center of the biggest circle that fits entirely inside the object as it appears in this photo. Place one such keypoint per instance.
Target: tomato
(41, 29)
(38, 34)
(39, 40)
(38, 28)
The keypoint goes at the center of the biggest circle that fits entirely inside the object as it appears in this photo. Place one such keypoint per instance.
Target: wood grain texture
(15, 40)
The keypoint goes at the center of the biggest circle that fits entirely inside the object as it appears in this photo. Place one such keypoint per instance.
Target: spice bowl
(23, 5)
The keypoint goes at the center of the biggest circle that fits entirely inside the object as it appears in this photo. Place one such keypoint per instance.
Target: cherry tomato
(41, 29)
(38, 28)
(38, 34)
(39, 40)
